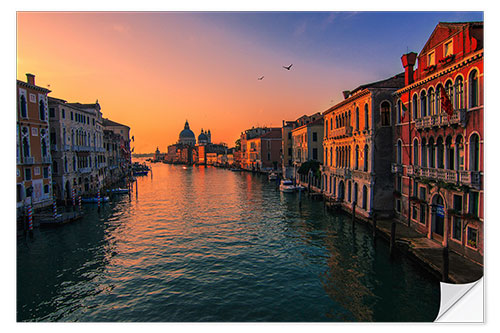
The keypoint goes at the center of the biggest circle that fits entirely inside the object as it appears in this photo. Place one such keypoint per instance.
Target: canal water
(208, 244)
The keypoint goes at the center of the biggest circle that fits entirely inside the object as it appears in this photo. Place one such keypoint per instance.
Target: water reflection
(205, 244)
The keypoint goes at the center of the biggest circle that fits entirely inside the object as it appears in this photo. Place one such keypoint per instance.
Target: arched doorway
(340, 194)
(437, 217)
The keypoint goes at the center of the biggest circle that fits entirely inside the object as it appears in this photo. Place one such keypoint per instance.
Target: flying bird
(287, 68)
(260, 78)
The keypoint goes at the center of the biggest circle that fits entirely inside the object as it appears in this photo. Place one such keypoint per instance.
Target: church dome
(202, 138)
(186, 133)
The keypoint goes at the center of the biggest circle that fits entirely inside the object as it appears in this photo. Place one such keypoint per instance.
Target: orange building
(33, 159)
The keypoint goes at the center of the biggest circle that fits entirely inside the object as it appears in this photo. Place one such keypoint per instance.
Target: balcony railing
(346, 173)
(342, 132)
(470, 178)
(440, 120)
(29, 159)
(361, 174)
(85, 170)
(47, 159)
(396, 168)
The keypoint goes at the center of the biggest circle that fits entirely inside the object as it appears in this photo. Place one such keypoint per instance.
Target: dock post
(300, 199)
(30, 221)
(393, 238)
(98, 200)
(80, 203)
(136, 189)
(54, 207)
(353, 213)
(446, 264)
(73, 198)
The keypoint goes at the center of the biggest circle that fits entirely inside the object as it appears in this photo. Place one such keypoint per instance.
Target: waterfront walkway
(430, 253)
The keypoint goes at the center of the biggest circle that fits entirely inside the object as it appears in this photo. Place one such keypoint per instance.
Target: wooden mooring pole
(393, 238)
(374, 225)
(353, 214)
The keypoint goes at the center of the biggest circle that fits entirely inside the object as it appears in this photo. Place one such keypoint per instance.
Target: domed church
(186, 136)
(204, 138)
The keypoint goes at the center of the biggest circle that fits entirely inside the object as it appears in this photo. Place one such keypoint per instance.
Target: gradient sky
(153, 70)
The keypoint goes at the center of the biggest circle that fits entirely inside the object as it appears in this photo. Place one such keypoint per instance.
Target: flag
(446, 103)
(403, 111)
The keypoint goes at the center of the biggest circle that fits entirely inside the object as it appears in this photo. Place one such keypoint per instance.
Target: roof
(107, 122)
(273, 134)
(451, 26)
(32, 86)
(396, 81)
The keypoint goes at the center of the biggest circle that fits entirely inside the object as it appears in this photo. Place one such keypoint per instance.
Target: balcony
(396, 168)
(47, 159)
(85, 170)
(440, 120)
(470, 178)
(342, 132)
(29, 159)
(363, 175)
(341, 172)
(448, 176)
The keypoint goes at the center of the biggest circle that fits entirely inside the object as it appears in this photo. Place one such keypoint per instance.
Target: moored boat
(272, 176)
(287, 186)
(94, 199)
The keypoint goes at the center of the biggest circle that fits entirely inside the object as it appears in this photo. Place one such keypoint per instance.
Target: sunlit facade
(439, 156)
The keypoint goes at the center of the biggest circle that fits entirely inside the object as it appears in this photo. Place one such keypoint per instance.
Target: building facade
(263, 152)
(438, 144)
(33, 156)
(357, 153)
(307, 145)
(125, 154)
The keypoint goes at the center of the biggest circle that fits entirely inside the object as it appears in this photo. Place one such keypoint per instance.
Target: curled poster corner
(461, 303)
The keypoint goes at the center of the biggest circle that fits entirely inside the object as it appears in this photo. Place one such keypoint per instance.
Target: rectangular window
(457, 203)
(37, 171)
(289, 135)
(448, 48)
(422, 213)
(63, 114)
(422, 193)
(45, 172)
(289, 151)
(27, 174)
(71, 115)
(399, 183)
(474, 203)
(315, 136)
(19, 192)
(456, 232)
(472, 237)
(315, 153)
(52, 112)
(430, 59)
(268, 156)
(415, 188)
(414, 212)
(46, 189)
(398, 205)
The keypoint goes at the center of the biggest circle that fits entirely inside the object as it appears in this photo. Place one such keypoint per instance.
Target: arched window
(331, 124)
(398, 112)
(364, 202)
(431, 101)
(42, 110)
(336, 122)
(24, 110)
(74, 163)
(365, 161)
(349, 157)
(356, 158)
(44, 147)
(473, 89)
(366, 117)
(432, 153)
(448, 86)
(438, 98)
(357, 119)
(474, 152)
(440, 153)
(398, 152)
(349, 119)
(423, 104)
(459, 93)
(459, 147)
(26, 147)
(450, 154)
(65, 164)
(423, 154)
(331, 156)
(415, 152)
(385, 114)
(415, 106)
(349, 191)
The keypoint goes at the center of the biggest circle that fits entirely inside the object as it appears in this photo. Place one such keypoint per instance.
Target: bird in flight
(287, 68)
(260, 78)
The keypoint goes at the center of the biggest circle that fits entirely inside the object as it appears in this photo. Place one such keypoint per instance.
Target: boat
(236, 169)
(94, 199)
(287, 186)
(272, 176)
(140, 173)
(119, 191)
(139, 169)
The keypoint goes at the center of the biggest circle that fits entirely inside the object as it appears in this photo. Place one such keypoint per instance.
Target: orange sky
(152, 72)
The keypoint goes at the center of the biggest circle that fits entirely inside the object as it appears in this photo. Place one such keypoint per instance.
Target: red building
(438, 139)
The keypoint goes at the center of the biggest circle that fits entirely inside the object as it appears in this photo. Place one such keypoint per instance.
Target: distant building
(125, 156)
(262, 152)
(33, 158)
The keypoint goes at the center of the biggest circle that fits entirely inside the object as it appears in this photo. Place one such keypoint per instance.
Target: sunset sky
(153, 70)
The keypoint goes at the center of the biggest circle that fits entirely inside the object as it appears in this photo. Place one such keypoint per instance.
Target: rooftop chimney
(408, 61)
(346, 93)
(30, 78)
